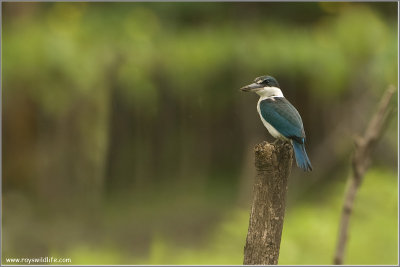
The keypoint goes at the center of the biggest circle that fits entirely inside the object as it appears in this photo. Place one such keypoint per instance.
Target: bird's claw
(278, 141)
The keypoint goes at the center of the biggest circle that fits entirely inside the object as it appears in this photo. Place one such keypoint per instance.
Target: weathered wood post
(273, 164)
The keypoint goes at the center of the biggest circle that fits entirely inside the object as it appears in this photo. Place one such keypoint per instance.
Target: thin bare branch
(360, 163)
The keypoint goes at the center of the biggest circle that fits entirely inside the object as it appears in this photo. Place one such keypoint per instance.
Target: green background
(126, 139)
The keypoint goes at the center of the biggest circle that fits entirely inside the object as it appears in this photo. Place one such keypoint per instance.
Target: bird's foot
(278, 141)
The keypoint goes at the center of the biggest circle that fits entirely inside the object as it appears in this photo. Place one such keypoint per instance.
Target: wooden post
(273, 165)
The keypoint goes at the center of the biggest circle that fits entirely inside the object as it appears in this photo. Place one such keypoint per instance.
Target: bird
(280, 117)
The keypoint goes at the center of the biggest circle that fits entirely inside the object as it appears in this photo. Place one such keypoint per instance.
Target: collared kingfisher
(281, 118)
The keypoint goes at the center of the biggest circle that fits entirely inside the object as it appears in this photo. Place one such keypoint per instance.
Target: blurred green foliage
(308, 238)
(126, 140)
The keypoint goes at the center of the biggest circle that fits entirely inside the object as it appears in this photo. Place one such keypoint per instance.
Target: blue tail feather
(301, 156)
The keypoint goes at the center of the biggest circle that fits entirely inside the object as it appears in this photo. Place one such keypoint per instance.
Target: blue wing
(283, 117)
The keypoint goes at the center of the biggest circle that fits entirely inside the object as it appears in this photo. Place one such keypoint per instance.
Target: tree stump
(273, 164)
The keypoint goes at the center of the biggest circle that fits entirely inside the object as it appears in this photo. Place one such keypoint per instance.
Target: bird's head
(264, 86)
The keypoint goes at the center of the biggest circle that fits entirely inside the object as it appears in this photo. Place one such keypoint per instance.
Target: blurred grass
(310, 231)
(309, 234)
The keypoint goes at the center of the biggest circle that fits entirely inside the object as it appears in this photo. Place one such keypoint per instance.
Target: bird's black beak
(251, 87)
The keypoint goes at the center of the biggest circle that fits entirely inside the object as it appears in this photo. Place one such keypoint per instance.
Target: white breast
(269, 127)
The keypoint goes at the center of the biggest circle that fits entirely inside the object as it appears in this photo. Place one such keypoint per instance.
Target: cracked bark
(273, 165)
